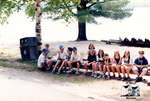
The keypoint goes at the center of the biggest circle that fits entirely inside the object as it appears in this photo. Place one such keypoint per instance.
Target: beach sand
(21, 85)
(49, 87)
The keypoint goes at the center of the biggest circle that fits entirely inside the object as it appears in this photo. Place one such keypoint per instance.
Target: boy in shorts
(140, 68)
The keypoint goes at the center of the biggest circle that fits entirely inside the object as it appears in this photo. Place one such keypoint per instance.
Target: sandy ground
(22, 85)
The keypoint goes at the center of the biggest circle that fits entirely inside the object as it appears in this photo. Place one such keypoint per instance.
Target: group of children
(99, 62)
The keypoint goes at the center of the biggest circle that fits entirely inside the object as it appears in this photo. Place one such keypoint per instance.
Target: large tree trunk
(81, 23)
(81, 31)
(38, 14)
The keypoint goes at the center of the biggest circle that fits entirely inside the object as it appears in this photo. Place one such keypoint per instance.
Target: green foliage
(7, 7)
(67, 9)
(60, 9)
(113, 9)
(30, 8)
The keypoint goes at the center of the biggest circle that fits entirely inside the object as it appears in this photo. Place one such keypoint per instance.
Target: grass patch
(4, 63)
(32, 63)
(18, 64)
(32, 66)
(71, 78)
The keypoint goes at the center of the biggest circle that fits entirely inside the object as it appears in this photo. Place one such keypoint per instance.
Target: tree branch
(68, 7)
(104, 1)
(92, 5)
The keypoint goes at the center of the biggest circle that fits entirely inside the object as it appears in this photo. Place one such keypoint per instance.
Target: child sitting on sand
(61, 55)
(42, 60)
(100, 62)
(50, 62)
(91, 62)
(126, 67)
(140, 68)
(75, 61)
(64, 64)
(116, 64)
(107, 66)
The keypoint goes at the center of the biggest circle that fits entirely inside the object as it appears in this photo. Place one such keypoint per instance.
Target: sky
(137, 26)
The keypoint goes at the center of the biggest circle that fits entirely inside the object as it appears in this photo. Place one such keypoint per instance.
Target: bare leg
(123, 70)
(70, 65)
(49, 63)
(100, 67)
(57, 63)
(105, 69)
(128, 69)
(85, 67)
(113, 69)
(143, 72)
(94, 67)
(135, 71)
(63, 63)
(118, 69)
(108, 69)
(78, 67)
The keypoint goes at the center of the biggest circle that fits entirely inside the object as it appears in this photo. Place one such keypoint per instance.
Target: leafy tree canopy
(83, 10)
